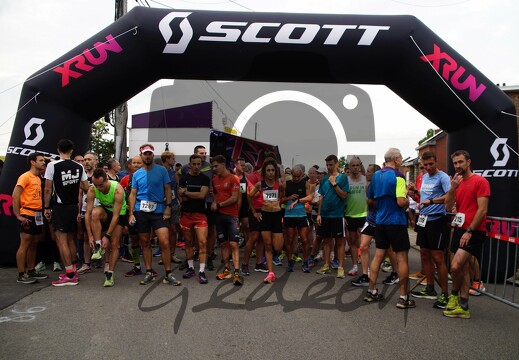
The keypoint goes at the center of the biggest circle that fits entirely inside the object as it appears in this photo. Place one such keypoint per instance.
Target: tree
(430, 133)
(104, 148)
(342, 163)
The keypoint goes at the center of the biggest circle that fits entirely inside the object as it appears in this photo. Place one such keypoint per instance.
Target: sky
(34, 33)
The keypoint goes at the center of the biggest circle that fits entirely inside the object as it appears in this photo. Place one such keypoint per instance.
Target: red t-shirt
(467, 195)
(252, 180)
(223, 187)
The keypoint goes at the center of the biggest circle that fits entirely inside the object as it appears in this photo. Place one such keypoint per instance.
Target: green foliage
(104, 148)
(430, 133)
(342, 163)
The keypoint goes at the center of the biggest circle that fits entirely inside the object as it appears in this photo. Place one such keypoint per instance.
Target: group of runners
(308, 216)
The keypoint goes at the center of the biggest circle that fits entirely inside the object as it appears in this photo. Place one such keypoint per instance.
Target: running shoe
(340, 273)
(276, 261)
(245, 269)
(37, 275)
(175, 259)
(306, 267)
(64, 275)
(261, 268)
(24, 279)
(405, 304)
(416, 276)
(373, 297)
(148, 278)
(453, 302)
(391, 279)
(157, 252)
(442, 301)
(209, 265)
(424, 294)
(133, 272)
(324, 270)
(362, 280)
(190, 272)
(226, 274)
(282, 256)
(449, 279)
(423, 282)
(270, 278)
(56, 266)
(127, 257)
(457, 312)
(98, 253)
(196, 255)
(202, 279)
(335, 264)
(354, 270)
(253, 253)
(477, 288)
(290, 265)
(297, 258)
(317, 258)
(40, 267)
(170, 279)
(386, 266)
(181, 244)
(85, 268)
(65, 281)
(237, 279)
(109, 281)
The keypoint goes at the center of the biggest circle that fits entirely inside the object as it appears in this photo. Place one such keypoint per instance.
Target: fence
(499, 261)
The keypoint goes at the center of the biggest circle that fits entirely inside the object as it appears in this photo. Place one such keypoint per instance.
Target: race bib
(38, 218)
(422, 220)
(270, 195)
(243, 188)
(458, 220)
(148, 206)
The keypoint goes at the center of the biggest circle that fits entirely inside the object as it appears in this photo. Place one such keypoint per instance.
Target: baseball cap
(322, 170)
(145, 148)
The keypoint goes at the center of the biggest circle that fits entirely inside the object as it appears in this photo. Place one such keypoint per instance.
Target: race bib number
(458, 220)
(422, 220)
(38, 218)
(148, 206)
(243, 188)
(270, 195)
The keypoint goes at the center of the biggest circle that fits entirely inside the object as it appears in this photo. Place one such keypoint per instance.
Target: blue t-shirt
(386, 186)
(173, 177)
(434, 187)
(332, 205)
(150, 186)
(372, 212)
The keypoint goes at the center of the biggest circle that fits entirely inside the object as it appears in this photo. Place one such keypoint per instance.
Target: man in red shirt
(226, 204)
(470, 193)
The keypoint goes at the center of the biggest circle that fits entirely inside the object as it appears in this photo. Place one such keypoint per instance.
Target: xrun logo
(232, 31)
(500, 159)
(450, 71)
(81, 64)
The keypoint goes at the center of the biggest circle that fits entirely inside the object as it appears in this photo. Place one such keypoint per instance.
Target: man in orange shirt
(226, 188)
(27, 207)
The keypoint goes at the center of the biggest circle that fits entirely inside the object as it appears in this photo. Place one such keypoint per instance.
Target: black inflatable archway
(145, 45)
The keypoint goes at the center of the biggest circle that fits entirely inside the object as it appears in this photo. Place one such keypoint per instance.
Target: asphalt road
(300, 316)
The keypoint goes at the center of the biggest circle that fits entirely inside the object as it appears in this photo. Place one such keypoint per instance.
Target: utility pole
(121, 112)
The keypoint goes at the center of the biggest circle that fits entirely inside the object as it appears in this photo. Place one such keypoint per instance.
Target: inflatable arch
(64, 98)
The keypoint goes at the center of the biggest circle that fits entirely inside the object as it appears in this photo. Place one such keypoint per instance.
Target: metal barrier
(499, 261)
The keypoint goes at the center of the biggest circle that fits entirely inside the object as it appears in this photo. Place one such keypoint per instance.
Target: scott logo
(167, 33)
(232, 31)
(87, 61)
(38, 132)
(494, 150)
(452, 72)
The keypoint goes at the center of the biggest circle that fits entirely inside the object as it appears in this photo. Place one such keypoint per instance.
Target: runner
(470, 194)
(110, 217)
(27, 206)
(150, 186)
(226, 204)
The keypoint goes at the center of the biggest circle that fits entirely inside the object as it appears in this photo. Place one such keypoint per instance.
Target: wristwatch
(469, 230)
(335, 185)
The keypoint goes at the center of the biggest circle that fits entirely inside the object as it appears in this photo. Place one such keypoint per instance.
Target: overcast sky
(34, 33)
